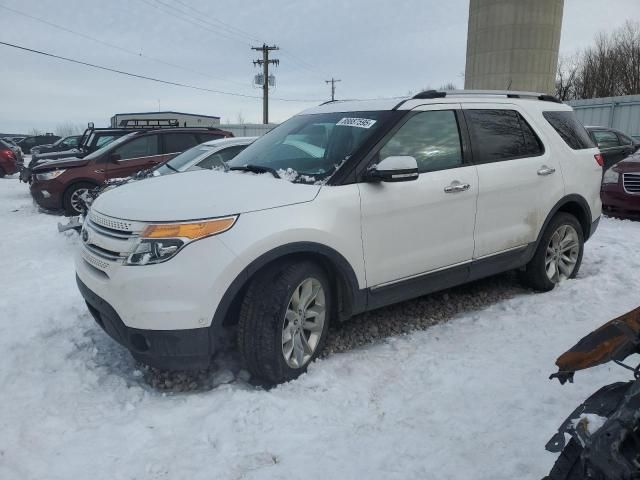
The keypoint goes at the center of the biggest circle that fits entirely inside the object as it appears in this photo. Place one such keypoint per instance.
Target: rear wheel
(72, 200)
(284, 319)
(559, 254)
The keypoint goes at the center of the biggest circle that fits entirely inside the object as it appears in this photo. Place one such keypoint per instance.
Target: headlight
(159, 243)
(49, 175)
(611, 176)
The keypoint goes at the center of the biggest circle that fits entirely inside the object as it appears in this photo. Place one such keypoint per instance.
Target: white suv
(347, 207)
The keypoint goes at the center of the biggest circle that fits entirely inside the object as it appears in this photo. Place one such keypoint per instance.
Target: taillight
(7, 154)
(599, 159)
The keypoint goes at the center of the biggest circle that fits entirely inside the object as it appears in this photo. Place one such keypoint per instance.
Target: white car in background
(344, 208)
(208, 155)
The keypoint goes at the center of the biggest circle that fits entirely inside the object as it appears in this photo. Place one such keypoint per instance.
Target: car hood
(59, 163)
(59, 154)
(200, 194)
(629, 164)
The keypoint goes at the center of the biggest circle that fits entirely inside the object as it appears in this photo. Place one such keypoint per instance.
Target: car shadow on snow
(364, 329)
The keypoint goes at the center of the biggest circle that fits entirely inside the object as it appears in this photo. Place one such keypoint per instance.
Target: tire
(535, 274)
(262, 323)
(2, 172)
(568, 466)
(68, 198)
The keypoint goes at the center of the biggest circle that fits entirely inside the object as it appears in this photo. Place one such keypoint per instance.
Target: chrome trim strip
(418, 275)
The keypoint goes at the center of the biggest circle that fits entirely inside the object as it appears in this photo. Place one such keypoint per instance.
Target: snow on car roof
(229, 141)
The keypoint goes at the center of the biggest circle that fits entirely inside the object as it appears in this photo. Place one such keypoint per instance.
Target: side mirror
(115, 157)
(394, 169)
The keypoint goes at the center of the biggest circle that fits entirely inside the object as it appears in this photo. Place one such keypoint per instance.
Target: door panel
(414, 227)
(515, 194)
(137, 154)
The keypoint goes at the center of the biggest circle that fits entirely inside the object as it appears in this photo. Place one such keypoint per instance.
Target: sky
(376, 48)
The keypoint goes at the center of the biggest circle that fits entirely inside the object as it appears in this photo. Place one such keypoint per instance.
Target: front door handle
(456, 186)
(544, 170)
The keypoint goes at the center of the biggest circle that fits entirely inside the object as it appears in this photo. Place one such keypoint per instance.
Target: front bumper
(165, 349)
(46, 194)
(616, 201)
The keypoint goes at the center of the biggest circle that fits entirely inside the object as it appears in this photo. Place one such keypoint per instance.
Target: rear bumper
(165, 349)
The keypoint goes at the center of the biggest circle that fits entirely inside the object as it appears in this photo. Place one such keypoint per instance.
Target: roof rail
(138, 123)
(480, 93)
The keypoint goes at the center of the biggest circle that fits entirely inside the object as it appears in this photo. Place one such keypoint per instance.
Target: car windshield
(184, 160)
(310, 148)
(109, 145)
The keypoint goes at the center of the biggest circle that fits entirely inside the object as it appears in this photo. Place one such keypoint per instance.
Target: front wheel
(72, 201)
(284, 320)
(569, 465)
(559, 254)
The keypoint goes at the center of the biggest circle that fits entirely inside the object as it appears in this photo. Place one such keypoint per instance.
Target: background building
(513, 44)
(184, 119)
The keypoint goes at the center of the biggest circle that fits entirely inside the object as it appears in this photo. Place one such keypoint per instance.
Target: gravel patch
(364, 329)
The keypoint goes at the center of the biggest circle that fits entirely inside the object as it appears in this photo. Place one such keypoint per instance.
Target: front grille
(631, 182)
(120, 226)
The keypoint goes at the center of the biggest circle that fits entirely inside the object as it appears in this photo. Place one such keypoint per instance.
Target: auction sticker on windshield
(356, 122)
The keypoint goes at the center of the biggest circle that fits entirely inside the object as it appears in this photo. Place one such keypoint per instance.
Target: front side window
(605, 139)
(144, 146)
(71, 142)
(570, 129)
(499, 135)
(311, 148)
(432, 138)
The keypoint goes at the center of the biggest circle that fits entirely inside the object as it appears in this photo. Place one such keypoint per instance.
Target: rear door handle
(544, 170)
(456, 186)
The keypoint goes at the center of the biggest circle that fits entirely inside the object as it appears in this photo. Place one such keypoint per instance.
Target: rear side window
(624, 140)
(570, 129)
(499, 135)
(179, 142)
(605, 139)
(207, 137)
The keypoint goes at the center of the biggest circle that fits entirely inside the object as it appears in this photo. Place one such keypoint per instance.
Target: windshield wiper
(257, 169)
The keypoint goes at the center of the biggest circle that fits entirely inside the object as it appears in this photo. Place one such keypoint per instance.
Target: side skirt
(414, 287)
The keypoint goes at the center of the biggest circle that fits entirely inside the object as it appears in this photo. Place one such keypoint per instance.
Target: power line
(144, 77)
(117, 47)
(226, 26)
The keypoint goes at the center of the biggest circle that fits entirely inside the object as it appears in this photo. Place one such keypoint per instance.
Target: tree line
(609, 68)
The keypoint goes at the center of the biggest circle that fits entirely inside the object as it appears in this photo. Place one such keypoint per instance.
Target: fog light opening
(139, 342)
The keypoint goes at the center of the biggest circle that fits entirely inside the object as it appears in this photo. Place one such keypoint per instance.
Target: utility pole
(264, 63)
(333, 82)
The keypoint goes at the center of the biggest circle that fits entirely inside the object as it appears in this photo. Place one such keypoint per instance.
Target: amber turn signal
(191, 231)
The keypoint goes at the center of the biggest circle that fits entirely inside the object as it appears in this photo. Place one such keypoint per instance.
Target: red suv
(59, 184)
(8, 160)
(621, 188)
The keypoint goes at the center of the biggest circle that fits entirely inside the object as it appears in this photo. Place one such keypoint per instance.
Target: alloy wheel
(562, 254)
(303, 323)
(76, 199)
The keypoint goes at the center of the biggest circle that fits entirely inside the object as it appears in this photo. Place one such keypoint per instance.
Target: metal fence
(247, 129)
(622, 113)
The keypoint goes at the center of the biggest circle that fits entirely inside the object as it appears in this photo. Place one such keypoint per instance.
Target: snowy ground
(468, 399)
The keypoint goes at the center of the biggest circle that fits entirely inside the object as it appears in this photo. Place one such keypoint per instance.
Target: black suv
(65, 143)
(28, 143)
(613, 144)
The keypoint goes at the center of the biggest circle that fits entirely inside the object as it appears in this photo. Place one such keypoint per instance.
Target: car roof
(225, 142)
(528, 99)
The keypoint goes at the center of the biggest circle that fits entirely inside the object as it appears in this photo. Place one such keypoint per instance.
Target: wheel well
(78, 182)
(342, 288)
(578, 211)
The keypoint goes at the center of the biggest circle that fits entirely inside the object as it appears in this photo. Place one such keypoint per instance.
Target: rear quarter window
(570, 129)
(499, 135)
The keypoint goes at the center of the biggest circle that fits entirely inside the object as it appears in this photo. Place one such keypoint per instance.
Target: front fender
(603, 403)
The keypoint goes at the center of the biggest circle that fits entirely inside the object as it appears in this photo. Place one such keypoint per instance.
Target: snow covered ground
(468, 399)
